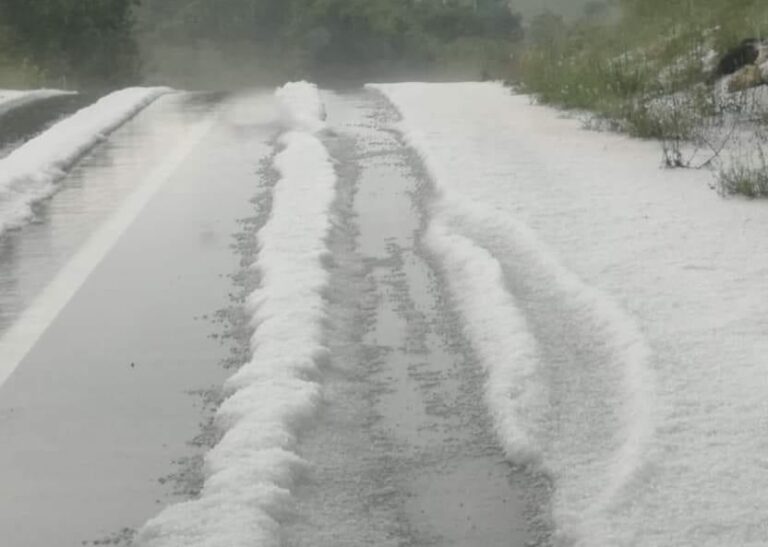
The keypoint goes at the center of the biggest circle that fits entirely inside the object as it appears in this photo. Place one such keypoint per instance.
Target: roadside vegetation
(15, 70)
(650, 68)
(67, 42)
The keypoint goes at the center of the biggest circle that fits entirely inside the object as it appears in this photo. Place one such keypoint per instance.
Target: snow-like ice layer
(302, 106)
(516, 394)
(516, 389)
(618, 351)
(249, 474)
(30, 172)
(11, 98)
(646, 270)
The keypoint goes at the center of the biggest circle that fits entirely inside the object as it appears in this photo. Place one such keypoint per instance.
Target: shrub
(86, 40)
(745, 180)
(648, 74)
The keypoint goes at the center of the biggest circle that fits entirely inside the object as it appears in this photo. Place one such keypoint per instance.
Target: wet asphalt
(105, 421)
(101, 422)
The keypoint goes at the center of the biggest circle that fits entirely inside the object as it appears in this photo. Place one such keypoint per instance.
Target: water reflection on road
(100, 409)
(30, 257)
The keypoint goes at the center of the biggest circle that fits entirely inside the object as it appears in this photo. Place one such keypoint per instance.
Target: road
(413, 459)
(105, 420)
(105, 405)
(398, 315)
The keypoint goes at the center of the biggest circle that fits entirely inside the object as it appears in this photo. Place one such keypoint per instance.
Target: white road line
(22, 336)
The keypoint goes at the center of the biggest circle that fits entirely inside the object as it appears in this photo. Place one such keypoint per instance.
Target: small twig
(717, 150)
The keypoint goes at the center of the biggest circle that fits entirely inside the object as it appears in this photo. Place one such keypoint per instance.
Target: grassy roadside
(16, 73)
(645, 67)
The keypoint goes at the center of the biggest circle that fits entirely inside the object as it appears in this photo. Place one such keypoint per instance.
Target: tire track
(403, 451)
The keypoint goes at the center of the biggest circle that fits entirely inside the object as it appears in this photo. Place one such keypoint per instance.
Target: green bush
(751, 182)
(16, 72)
(85, 41)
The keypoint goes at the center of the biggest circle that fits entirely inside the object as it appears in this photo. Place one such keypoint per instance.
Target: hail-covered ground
(411, 314)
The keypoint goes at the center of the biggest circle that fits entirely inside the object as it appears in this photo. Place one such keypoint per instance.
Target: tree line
(71, 39)
(101, 40)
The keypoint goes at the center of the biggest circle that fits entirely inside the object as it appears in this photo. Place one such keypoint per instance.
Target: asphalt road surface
(122, 306)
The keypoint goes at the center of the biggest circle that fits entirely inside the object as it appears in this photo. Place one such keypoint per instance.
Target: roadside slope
(635, 290)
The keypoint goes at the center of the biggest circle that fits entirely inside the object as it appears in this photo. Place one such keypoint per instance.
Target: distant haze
(531, 8)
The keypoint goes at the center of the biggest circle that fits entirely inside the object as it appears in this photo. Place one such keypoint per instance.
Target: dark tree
(89, 40)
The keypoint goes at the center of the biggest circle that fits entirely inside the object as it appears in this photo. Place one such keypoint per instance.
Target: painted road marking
(22, 336)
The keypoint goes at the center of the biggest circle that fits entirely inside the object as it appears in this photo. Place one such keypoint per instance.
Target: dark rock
(737, 58)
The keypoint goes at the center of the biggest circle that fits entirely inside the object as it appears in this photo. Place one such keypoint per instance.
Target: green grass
(751, 182)
(16, 72)
(19, 75)
(655, 49)
(644, 73)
